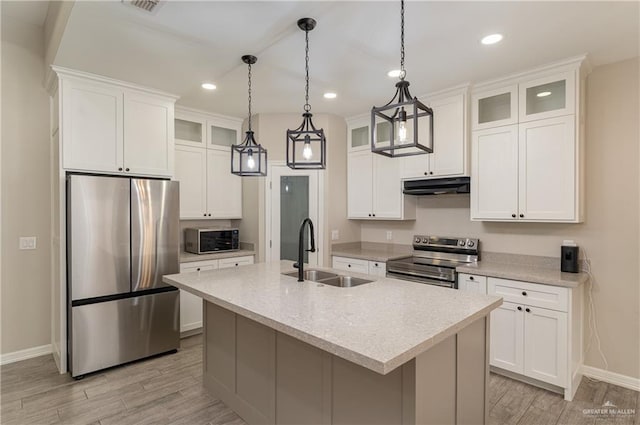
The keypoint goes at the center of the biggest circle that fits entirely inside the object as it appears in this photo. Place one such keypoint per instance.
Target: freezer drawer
(98, 240)
(114, 332)
(155, 232)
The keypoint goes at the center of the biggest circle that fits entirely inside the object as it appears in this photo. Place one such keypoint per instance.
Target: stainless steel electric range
(434, 260)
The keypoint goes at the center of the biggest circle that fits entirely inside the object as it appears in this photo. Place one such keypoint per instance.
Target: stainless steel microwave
(206, 241)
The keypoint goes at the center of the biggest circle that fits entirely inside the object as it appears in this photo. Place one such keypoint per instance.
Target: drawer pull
(236, 264)
(348, 265)
(470, 277)
(198, 269)
(524, 293)
(527, 310)
(519, 308)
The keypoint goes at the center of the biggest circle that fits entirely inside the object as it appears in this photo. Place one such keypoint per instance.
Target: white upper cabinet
(547, 97)
(190, 129)
(224, 190)
(359, 135)
(450, 141)
(92, 115)
(148, 130)
(545, 135)
(191, 172)
(495, 107)
(374, 188)
(547, 169)
(222, 133)
(494, 174)
(113, 127)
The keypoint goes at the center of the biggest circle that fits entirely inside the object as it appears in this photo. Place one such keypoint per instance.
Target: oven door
(415, 277)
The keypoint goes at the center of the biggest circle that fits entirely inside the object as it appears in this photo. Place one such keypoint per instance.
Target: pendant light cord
(249, 84)
(307, 107)
(402, 71)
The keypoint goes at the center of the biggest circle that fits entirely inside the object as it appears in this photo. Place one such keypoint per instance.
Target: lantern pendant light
(249, 158)
(401, 127)
(306, 145)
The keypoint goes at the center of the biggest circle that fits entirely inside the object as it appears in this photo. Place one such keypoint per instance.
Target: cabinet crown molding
(63, 73)
(208, 114)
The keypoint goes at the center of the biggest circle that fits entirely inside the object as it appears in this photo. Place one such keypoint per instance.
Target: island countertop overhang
(380, 325)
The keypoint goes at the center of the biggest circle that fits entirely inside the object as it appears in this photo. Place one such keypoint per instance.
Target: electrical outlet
(335, 235)
(389, 235)
(28, 242)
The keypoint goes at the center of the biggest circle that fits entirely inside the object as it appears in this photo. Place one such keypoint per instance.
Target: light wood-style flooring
(168, 390)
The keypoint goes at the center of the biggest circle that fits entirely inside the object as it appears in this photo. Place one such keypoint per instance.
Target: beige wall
(609, 234)
(270, 131)
(26, 199)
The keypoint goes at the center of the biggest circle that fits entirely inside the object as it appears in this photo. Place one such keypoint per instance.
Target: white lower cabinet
(356, 265)
(543, 344)
(472, 283)
(190, 305)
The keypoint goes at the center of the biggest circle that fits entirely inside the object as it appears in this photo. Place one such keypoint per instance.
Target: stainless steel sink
(314, 275)
(344, 281)
(328, 278)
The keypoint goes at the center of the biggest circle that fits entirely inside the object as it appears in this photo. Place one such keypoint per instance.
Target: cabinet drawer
(351, 264)
(377, 268)
(532, 294)
(472, 283)
(198, 266)
(235, 262)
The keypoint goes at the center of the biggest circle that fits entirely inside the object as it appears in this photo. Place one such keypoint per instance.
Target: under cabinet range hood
(436, 186)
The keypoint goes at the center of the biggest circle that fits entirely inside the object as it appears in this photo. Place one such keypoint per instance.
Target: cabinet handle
(374, 215)
(375, 264)
(524, 293)
(126, 169)
(426, 174)
(119, 168)
(527, 310)
(470, 277)
(519, 308)
(513, 215)
(209, 215)
(198, 269)
(348, 265)
(521, 215)
(205, 214)
(236, 264)
(430, 172)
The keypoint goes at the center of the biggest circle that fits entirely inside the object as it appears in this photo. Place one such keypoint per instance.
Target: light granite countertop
(188, 257)
(372, 251)
(380, 325)
(525, 272)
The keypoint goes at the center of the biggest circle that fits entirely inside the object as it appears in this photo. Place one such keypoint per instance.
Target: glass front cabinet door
(547, 97)
(495, 108)
(223, 134)
(190, 129)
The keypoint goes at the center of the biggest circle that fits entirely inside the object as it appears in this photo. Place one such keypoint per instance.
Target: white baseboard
(25, 354)
(611, 377)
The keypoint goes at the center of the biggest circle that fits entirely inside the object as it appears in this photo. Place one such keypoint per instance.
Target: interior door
(294, 197)
(98, 225)
(155, 232)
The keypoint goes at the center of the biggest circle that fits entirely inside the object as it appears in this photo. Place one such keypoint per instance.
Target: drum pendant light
(249, 158)
(404, 126)
(306, 145)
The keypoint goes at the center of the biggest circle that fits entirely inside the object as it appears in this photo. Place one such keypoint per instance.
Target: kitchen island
(387, 352)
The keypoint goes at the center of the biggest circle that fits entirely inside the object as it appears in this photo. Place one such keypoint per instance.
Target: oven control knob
(425, 240)
(462, 243)
(418, 240)
(470, 244)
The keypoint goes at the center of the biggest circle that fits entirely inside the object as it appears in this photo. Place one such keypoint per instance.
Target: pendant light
(401, 127)
(249, 158)
(306, 145)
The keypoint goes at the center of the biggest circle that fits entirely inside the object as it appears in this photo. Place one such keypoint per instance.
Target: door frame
(318, 227)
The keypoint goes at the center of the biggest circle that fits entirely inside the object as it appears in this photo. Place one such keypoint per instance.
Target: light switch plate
(28, 242)
(389, 235)
(335, 235)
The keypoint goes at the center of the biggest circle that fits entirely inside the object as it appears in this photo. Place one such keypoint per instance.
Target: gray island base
(268, 377)
(278, 351)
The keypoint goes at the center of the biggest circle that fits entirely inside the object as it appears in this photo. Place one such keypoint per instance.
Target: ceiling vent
(148, 5)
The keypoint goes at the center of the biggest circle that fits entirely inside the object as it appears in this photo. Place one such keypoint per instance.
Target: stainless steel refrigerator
(122, 237)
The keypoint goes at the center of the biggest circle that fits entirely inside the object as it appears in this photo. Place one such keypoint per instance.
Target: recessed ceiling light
(491, 39)
(544, 94)
(395, 73)
(208, 86)
(330, 95)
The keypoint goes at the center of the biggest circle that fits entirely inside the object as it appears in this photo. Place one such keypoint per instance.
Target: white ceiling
(185, 43)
